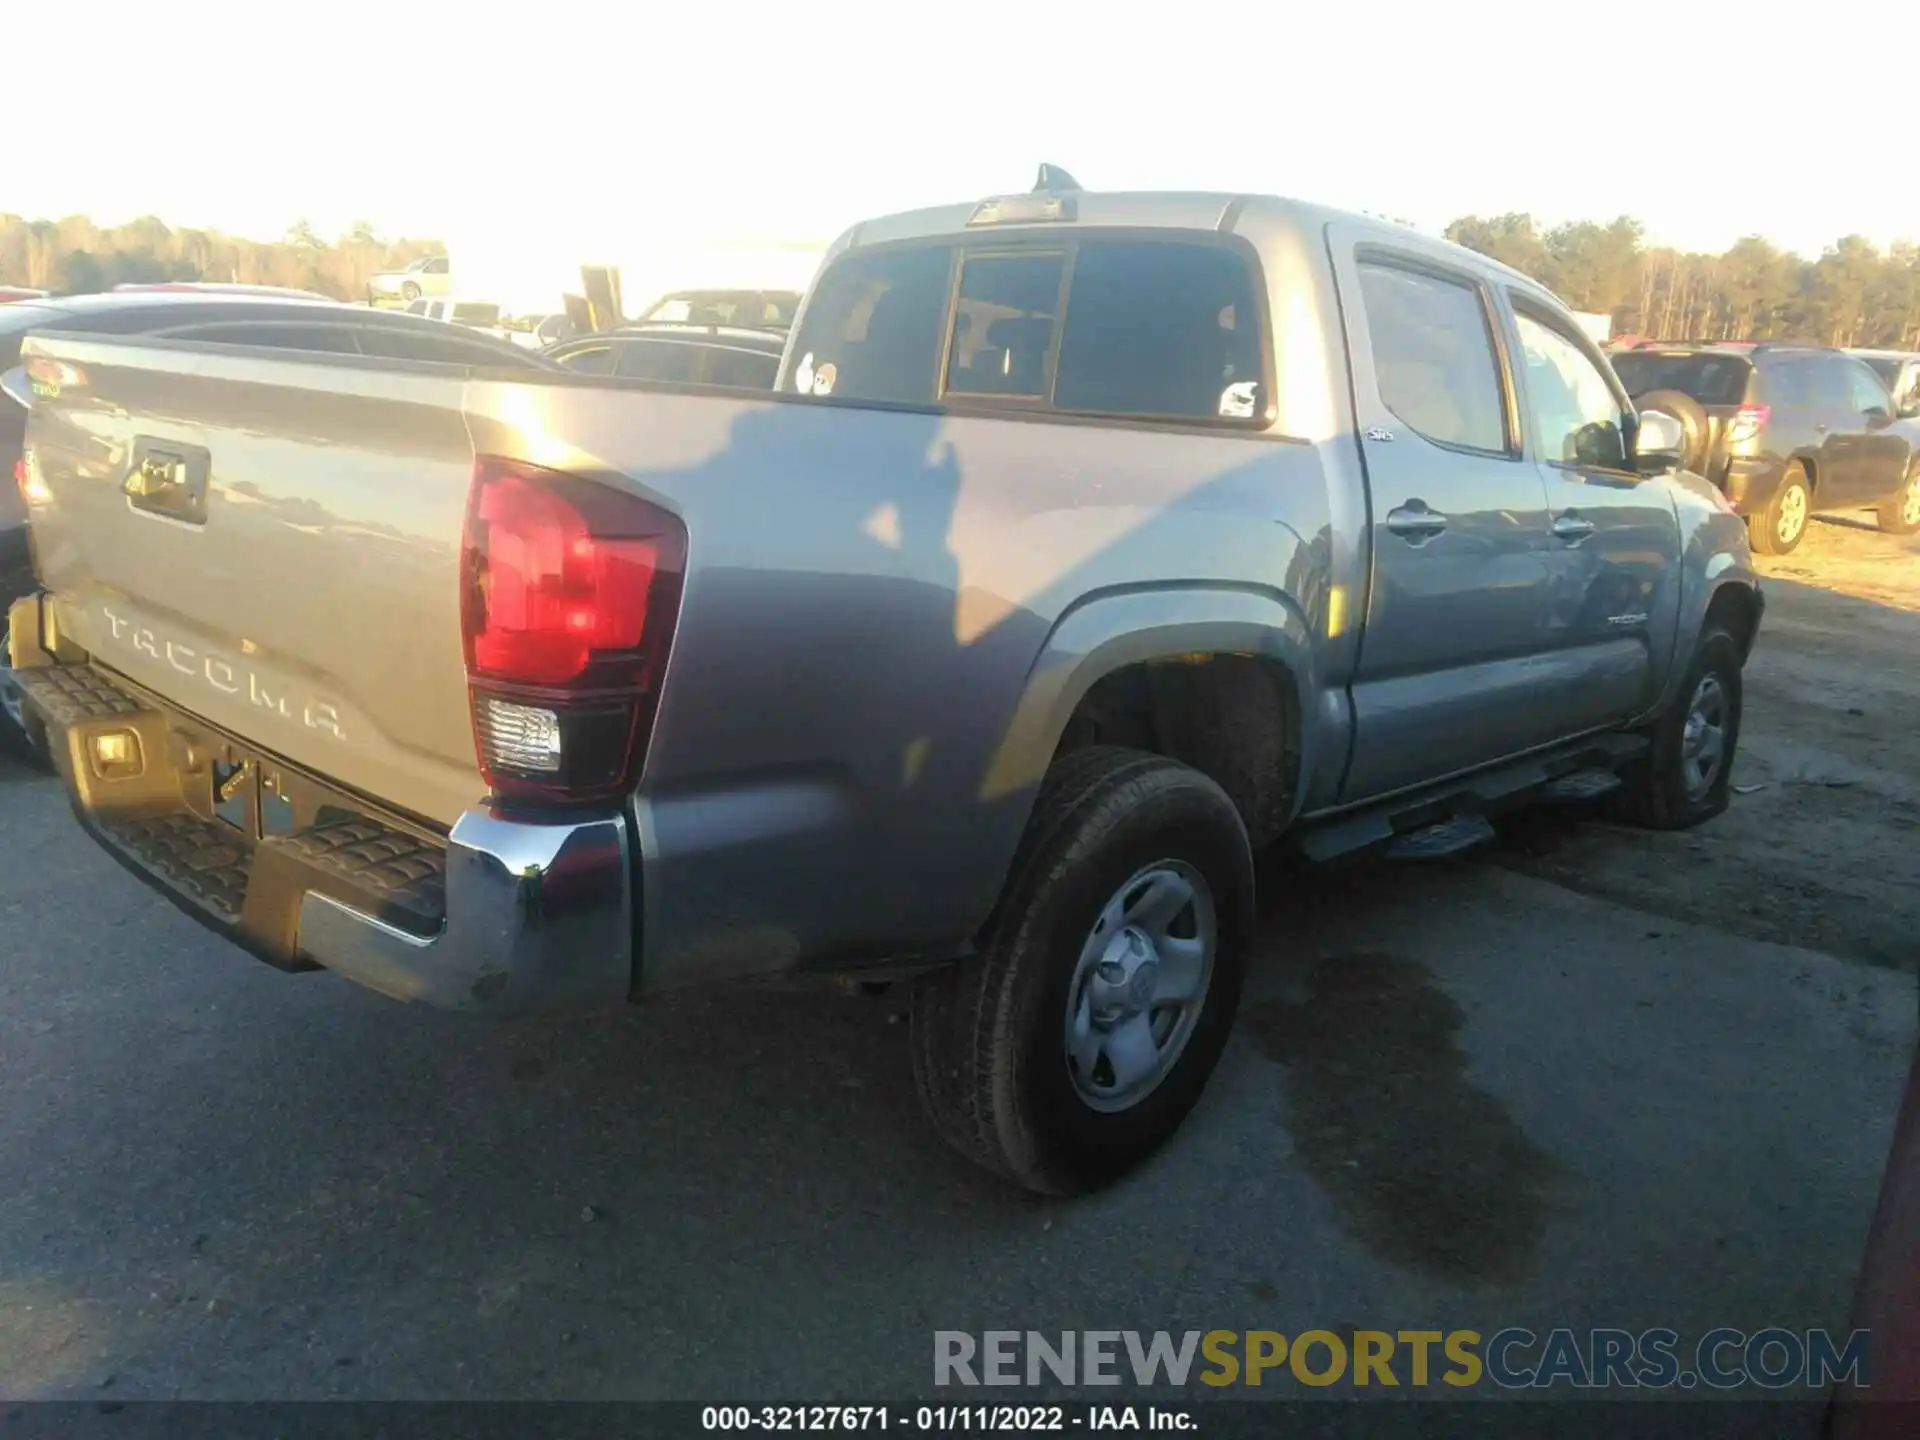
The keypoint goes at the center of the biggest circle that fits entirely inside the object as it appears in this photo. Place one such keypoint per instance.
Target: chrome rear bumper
(503, 914)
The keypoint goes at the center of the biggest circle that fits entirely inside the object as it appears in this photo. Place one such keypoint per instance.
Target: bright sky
(745, 123)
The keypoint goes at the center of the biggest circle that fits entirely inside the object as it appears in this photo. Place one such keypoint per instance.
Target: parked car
(1784, 431)
(1899, 370)
(10, 293)
(682, 354)
(481, 315)
(738, 309)
(1088, 543)
(429, 275)
(203, 316)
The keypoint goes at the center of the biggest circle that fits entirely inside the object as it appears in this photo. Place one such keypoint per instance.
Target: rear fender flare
(1107, 632)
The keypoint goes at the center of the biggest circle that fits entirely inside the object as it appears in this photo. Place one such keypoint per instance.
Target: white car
(429, 275)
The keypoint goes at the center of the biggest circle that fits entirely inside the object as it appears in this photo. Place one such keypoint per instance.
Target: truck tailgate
(271, 544)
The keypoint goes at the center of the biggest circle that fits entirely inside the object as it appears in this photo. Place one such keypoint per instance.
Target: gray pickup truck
(1089, 543)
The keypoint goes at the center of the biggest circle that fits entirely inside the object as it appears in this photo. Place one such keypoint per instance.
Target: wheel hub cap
(1123, 981)
(1140, 985)
(1793, 513)
(1703, 740)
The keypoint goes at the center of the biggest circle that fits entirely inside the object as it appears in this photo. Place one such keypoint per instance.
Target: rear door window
(1161, 328)
(1829, 381)
(1003, 328)
(1433, 356)
(1786, 383)
(874, 327)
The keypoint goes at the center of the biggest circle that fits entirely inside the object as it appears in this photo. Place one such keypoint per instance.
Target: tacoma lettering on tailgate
(226, 676)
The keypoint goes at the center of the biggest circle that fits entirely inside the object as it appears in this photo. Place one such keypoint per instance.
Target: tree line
(75, 256)
(1854, 294)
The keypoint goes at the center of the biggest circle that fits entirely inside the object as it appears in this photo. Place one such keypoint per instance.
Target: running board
(1447, 818)
(1449, 837)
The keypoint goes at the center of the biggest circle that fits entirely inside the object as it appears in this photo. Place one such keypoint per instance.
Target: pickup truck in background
(1088, 543)
(481, 315)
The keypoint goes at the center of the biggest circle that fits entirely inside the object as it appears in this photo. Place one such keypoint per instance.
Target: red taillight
(569, 592)
(20, 475)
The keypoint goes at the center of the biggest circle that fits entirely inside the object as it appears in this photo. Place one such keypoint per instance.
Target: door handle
(1572, 526)
(167, 479)
(1414, 521)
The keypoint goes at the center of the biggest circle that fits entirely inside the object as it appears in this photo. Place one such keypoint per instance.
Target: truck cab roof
(1251, 216)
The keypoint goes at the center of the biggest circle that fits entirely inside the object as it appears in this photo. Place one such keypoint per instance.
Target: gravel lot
(1594, 1077)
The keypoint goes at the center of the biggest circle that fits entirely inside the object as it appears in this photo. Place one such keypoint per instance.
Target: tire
(409, 292)
(1693, 420)
(1662, 790)
(1782, 525)
(1901, 514)
(992, 1034)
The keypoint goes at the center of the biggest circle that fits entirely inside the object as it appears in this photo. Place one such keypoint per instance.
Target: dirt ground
(1821, 853)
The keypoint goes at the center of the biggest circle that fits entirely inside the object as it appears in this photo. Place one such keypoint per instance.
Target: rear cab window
(1167, 328)
(1709, 379)
(669, 361)
(741, 369)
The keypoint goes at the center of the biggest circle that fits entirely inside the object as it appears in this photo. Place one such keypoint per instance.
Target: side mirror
(1660, 444)
(1875, 417)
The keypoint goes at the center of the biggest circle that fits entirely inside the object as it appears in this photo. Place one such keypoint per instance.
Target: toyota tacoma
(1088, 543)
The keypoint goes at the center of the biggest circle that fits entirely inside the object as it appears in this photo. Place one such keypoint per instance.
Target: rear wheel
(409, 292)
(1901, 514)
(1780, 527)
(1080, 1036)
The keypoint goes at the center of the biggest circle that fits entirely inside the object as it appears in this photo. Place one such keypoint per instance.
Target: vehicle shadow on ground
(15, 770)
(312, 1191)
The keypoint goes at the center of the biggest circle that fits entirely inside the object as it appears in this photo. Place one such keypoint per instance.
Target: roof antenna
(1052, 179)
